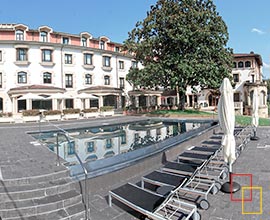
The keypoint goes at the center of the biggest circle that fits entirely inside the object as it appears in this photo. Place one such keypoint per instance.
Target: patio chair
(166, 182)
(152, 205)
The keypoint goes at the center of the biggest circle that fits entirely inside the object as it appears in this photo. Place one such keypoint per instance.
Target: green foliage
(52, 112)
(31, 112)
(5, 114)
(71, 111)
(87, 110)
(106, 108)
(180, 43)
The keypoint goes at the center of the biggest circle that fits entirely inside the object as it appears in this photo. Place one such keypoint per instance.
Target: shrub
(89, 110)
(32, 112)
(52, 112)
(106, 108)
(71, 111)
(5, 114)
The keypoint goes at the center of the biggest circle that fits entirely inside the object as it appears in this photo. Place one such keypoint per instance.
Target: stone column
(100, 101)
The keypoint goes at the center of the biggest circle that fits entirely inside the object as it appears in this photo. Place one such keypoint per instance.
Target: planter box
(107, 113)
(71, 116)
(91, 114)
(31, 118)
(53, 117)
(6, 120)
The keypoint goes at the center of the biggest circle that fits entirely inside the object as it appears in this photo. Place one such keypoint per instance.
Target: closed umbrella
(226, 116)
(255, 113)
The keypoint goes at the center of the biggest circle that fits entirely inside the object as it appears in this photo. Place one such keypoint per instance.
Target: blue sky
(247, 20)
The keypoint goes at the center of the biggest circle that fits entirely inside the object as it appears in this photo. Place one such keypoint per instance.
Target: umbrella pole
(230, 187)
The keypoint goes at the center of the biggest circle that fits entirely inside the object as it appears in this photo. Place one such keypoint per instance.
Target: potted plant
(107, 111)
(71, 113)
(31, 115)
(90, 112)
(6, 117)
(52, 115)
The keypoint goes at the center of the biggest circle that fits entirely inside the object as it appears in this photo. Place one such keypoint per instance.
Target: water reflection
(106, 141)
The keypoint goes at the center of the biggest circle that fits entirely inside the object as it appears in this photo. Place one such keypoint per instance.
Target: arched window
(88, 79)
(106, 80)
(47, 77)
(247, 64)
(262, 98)
(84, 41)
(22, 77)
(43, 36)
(240, 64)
(234, 65)
(19, 34)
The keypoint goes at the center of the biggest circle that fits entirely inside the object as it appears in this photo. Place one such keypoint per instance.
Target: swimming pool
(107, 145)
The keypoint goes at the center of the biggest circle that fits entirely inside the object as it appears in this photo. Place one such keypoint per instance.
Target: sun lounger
(192, 191)
(152, 205)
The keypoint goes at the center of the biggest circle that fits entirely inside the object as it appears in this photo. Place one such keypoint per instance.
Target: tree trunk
(181, 105)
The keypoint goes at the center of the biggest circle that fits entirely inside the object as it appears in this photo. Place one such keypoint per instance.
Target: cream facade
(44, 62)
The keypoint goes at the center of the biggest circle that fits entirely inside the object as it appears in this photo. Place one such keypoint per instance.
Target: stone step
(71, 212)
(35, 193)
(35, 179)
(42, 206)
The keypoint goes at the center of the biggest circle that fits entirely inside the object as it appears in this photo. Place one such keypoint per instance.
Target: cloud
(257, 31)
(266, 65)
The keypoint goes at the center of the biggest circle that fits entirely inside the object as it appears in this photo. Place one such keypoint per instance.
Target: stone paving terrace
(20, 159)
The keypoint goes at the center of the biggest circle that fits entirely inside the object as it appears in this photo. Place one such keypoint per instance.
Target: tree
(180, 43)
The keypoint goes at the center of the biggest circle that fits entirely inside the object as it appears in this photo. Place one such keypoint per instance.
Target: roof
(251, 55)
(32, 88)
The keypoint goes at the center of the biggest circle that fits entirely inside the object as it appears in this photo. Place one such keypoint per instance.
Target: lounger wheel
(204, 204)
(196, 216)
(214, 190)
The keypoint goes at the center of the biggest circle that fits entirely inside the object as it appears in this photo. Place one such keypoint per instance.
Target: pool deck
(21, 156)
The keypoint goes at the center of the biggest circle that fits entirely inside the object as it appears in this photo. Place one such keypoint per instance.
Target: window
(106, 80)
(69, 80)
(117, 49)
(68, 58)
(22, 77)
(123, 138)
(134, 64)
(247, 64)
(234, 65)
(65, 40)
(108, 143)
(1, 58)
(253, 78)
(69, 103)
(88, 79)
(88, 59)
(122, 83)
(240, 64)
(47, 77)
(46, 55)
(21, 54)
(84, 42)
(19, 35)
(43, 36)
(1, 80)
(236, 77)
(106, 61)
(121, 64)
(102, 45)
(71, 148)
(236, 97)
(90, 147)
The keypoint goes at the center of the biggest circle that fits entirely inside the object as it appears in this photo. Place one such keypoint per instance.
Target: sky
(247, 20)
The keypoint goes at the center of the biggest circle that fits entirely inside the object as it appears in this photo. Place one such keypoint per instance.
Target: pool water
(97, 143)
